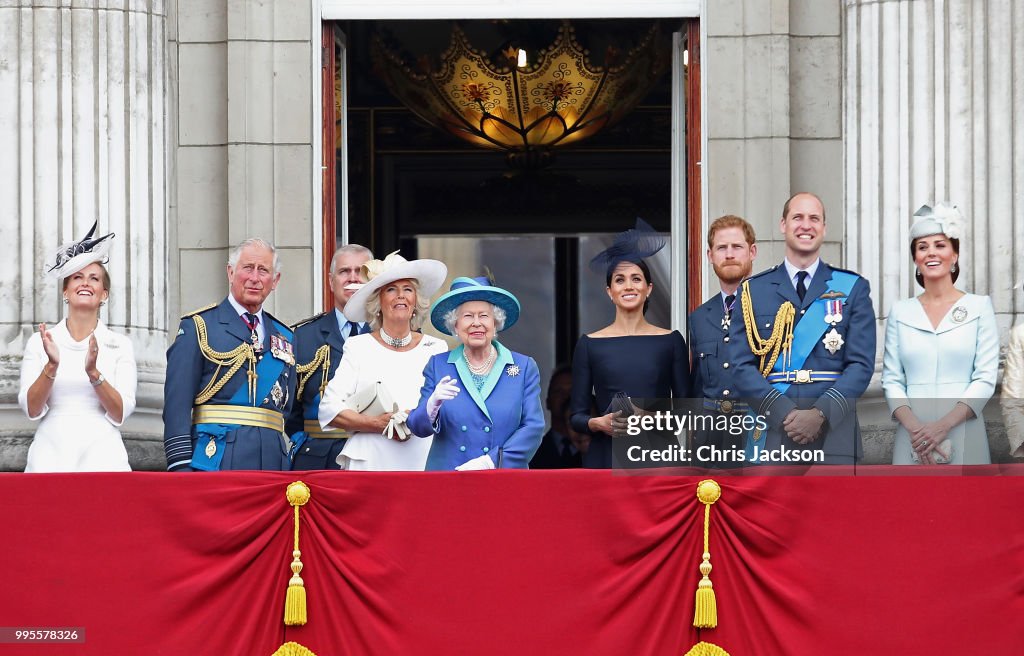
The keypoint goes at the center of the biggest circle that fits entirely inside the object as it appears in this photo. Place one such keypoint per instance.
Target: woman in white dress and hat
(394, 300)
(941, 352)
(481, 401)
(78, 377)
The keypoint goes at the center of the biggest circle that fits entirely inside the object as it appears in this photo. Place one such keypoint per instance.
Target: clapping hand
(49, 346)
(90, 356)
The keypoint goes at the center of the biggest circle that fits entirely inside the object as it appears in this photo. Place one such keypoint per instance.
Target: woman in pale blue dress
(941, 352)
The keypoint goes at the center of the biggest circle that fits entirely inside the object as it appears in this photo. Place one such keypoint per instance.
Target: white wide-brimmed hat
(430, 275)
(76, 255)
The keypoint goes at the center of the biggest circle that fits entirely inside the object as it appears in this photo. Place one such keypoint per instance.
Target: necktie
(801, 284)
(353, 329)
(251, 321)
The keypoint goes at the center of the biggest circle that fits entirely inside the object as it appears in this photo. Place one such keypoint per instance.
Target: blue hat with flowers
(464, 290)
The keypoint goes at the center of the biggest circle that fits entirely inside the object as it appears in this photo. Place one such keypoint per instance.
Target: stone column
(934, 111)
(82, 128)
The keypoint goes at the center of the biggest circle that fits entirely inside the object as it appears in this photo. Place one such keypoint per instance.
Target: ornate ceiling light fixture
(528, 102)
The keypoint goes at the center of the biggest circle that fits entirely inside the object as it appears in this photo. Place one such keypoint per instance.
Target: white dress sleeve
(342, 385)
(1013, 392)
(32, 363)
(125, 378)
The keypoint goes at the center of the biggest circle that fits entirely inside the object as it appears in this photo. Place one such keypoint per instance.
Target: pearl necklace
(393, 342)
(483, 368)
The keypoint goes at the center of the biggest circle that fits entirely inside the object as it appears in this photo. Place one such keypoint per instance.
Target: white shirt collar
(261, 326)
(792, 270)
(343, 321)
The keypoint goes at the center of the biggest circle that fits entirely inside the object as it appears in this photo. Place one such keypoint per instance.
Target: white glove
(445, 390)
(483, 462)
(396, 428)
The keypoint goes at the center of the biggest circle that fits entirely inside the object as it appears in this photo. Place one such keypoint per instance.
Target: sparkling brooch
(512, 370)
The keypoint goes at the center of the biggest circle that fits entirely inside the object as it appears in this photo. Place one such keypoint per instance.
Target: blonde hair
(419, 313)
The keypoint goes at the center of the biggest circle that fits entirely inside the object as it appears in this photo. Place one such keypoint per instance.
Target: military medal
(277, 394)
(959, 314)
(281, 349)
(833, 341)
(727, 315)
(211, 448)
(833, 312)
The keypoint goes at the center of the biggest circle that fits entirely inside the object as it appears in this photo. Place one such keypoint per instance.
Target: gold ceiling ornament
(295, 599)
(558, 98)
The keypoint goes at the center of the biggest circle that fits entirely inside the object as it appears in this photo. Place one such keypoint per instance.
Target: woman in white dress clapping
(78, 378)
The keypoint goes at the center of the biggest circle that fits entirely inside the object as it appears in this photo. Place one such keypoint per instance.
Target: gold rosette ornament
(295, 600)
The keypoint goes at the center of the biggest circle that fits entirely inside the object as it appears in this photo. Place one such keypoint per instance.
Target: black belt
(725, 406)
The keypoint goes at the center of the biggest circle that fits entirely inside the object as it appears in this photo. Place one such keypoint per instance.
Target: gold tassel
(705, 615)
(706, 649)
(293, 649)
(295, 599)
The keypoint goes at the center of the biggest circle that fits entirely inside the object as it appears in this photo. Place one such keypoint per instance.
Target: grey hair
(452, 316)
(349, 249)
(419, 314)
(236, 252)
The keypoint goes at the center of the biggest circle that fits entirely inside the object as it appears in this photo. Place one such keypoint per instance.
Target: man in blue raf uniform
(731, 251)
(231, 375)
(318, 348)
(803, 347)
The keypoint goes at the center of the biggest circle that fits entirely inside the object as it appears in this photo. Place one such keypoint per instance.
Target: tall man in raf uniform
(731, 251)
(803, 346)
(318, 347)
(231, 375)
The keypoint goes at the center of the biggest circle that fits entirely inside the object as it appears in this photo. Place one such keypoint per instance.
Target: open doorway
(394, 181)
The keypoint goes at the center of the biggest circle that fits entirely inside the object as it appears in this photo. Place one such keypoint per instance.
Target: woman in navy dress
(630, 357)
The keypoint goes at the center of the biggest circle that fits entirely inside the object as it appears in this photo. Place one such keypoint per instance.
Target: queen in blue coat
(480, 401)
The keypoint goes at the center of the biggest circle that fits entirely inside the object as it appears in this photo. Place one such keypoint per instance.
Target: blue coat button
(463, 429)
(462, 448)
(486, 449)
(487, 429)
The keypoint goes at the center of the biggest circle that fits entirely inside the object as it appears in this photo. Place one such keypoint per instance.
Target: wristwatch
(97, 382)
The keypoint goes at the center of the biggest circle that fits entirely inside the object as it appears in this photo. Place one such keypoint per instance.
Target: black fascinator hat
(633, 245)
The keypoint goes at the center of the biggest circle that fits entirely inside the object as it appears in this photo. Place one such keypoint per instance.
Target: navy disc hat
(632, 245)
(464, 290)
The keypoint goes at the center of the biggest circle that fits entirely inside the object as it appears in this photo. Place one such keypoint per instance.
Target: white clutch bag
(374, 399)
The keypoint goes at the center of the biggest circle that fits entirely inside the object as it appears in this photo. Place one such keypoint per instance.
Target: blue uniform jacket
(506, 415)
(310, 336)
(836, 400)
(709, 345)
(188, 373)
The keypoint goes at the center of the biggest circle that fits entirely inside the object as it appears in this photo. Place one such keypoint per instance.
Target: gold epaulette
(308, 320)
(233, 359)
(200, 310)
(322, 359)
(781, 339)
